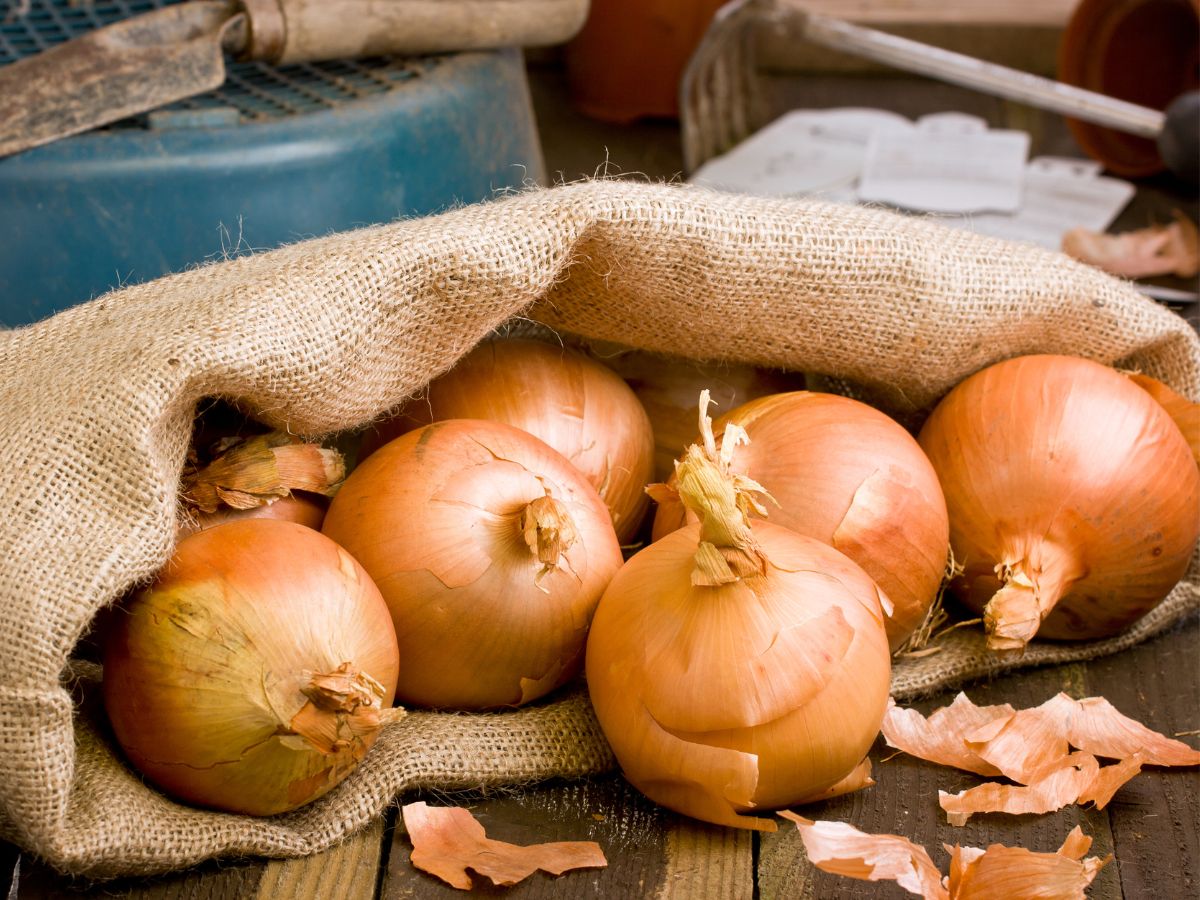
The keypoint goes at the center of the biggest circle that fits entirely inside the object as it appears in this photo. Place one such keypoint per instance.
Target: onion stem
(721, 500)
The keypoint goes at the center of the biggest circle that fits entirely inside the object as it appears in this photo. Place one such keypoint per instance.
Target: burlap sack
(325, 335)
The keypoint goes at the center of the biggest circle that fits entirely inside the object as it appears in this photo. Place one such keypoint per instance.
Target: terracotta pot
(1144, 51)
(627, 61)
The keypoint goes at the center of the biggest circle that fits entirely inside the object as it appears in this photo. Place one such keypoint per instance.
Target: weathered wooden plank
(707, 861)
(651, 851)
(904, 801)
(211, 881)
(346, 872)
(1156, 817)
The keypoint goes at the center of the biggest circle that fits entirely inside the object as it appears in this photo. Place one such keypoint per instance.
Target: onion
(491, 551)
(261, 476)
(1074, 499)
(574, 404)
(737, 666)
(255, 672)
(849, 476)
(668, 387)
(1182, 411)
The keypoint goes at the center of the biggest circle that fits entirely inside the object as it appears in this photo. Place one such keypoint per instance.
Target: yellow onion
(255, 672)
(259, 476)
(491, 551)
(1074, 499)
(737, 666)
(579, 407)
(668, 387)
(1183, 412)
(851, 477)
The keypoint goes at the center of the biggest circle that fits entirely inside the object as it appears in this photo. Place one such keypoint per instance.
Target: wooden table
(1152, 826)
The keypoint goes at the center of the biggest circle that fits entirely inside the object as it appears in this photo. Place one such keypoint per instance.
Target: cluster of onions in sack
(735, 665)
(1074, 497)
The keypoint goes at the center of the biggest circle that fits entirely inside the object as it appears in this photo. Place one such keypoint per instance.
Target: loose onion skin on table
(1074, 498)
(845, 474)
(491, 551)
(255, 672)
(737, 667)
(579, 407)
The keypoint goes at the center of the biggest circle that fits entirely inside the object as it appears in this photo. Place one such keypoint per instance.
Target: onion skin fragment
(853, 478)
(256, 672)
(491, 551)
(1074, 498)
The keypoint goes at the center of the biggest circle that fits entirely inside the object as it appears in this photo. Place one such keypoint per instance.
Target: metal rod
(967, 71)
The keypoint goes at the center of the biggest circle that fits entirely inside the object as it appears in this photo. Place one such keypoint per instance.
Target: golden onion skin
(755, 695)
(850, 476)
(205, 671)
(1063, 469)
(576, 405)
(433, 517)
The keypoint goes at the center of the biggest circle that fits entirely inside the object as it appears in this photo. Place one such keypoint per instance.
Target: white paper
(821, 153)
(945, 164)
(1060, 194)
(802, 153)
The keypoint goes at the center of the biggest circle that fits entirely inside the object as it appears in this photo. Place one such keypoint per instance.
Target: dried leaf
(1001, 873)
(941, 737)
(447, 841)
(1157, 250)
(840, 848)
(253, 471)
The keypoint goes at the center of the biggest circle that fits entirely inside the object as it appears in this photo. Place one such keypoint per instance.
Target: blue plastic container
(276, 156)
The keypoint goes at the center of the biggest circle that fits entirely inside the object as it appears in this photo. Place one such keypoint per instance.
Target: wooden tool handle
(291, 31)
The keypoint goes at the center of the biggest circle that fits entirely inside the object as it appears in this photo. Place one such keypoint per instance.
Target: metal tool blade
(113, 72)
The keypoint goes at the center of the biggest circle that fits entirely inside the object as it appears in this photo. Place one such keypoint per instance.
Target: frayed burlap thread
(325, 335)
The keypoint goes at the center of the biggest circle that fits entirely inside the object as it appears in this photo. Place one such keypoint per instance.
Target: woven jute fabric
(325, 335)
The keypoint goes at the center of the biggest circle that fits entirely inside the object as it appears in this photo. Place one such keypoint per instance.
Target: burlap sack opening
(324, 335)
